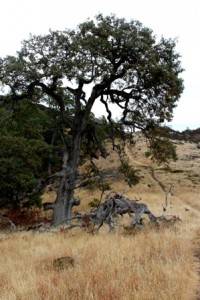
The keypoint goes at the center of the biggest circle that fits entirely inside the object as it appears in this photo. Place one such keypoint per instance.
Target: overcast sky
(170, 18)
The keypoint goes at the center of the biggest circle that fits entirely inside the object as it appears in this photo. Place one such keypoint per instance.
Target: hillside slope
(155, 179)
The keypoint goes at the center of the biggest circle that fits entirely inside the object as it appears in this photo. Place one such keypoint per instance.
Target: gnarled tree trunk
(65, 196)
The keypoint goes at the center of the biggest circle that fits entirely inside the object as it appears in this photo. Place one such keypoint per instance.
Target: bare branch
(167, 192)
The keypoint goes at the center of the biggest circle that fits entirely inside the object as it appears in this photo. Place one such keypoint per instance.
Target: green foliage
(95, 179)
(94, 203)
(162, 150)
(130, 174)
(35, 200)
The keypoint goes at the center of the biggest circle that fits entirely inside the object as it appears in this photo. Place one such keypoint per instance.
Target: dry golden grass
(152, 263)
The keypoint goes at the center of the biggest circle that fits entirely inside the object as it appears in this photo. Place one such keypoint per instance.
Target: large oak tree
(107, 60)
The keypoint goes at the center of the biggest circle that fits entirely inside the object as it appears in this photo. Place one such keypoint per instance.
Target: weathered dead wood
(171, 219)
(118, 204)
(6, 222)
(167, 192)
(113, 207)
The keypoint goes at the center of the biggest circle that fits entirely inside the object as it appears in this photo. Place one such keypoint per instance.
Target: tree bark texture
(65, 196)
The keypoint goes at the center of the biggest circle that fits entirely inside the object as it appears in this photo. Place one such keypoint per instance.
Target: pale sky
(170, 18)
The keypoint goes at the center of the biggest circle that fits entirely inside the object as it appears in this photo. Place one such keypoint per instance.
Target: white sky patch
(172, 19)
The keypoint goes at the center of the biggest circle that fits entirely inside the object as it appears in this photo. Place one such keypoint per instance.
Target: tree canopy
(108, 60)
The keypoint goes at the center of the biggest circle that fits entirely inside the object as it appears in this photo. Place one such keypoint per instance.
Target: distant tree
(107, 60)
(23, 152)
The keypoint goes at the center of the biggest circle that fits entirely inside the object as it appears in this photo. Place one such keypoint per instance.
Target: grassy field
(148, 264)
